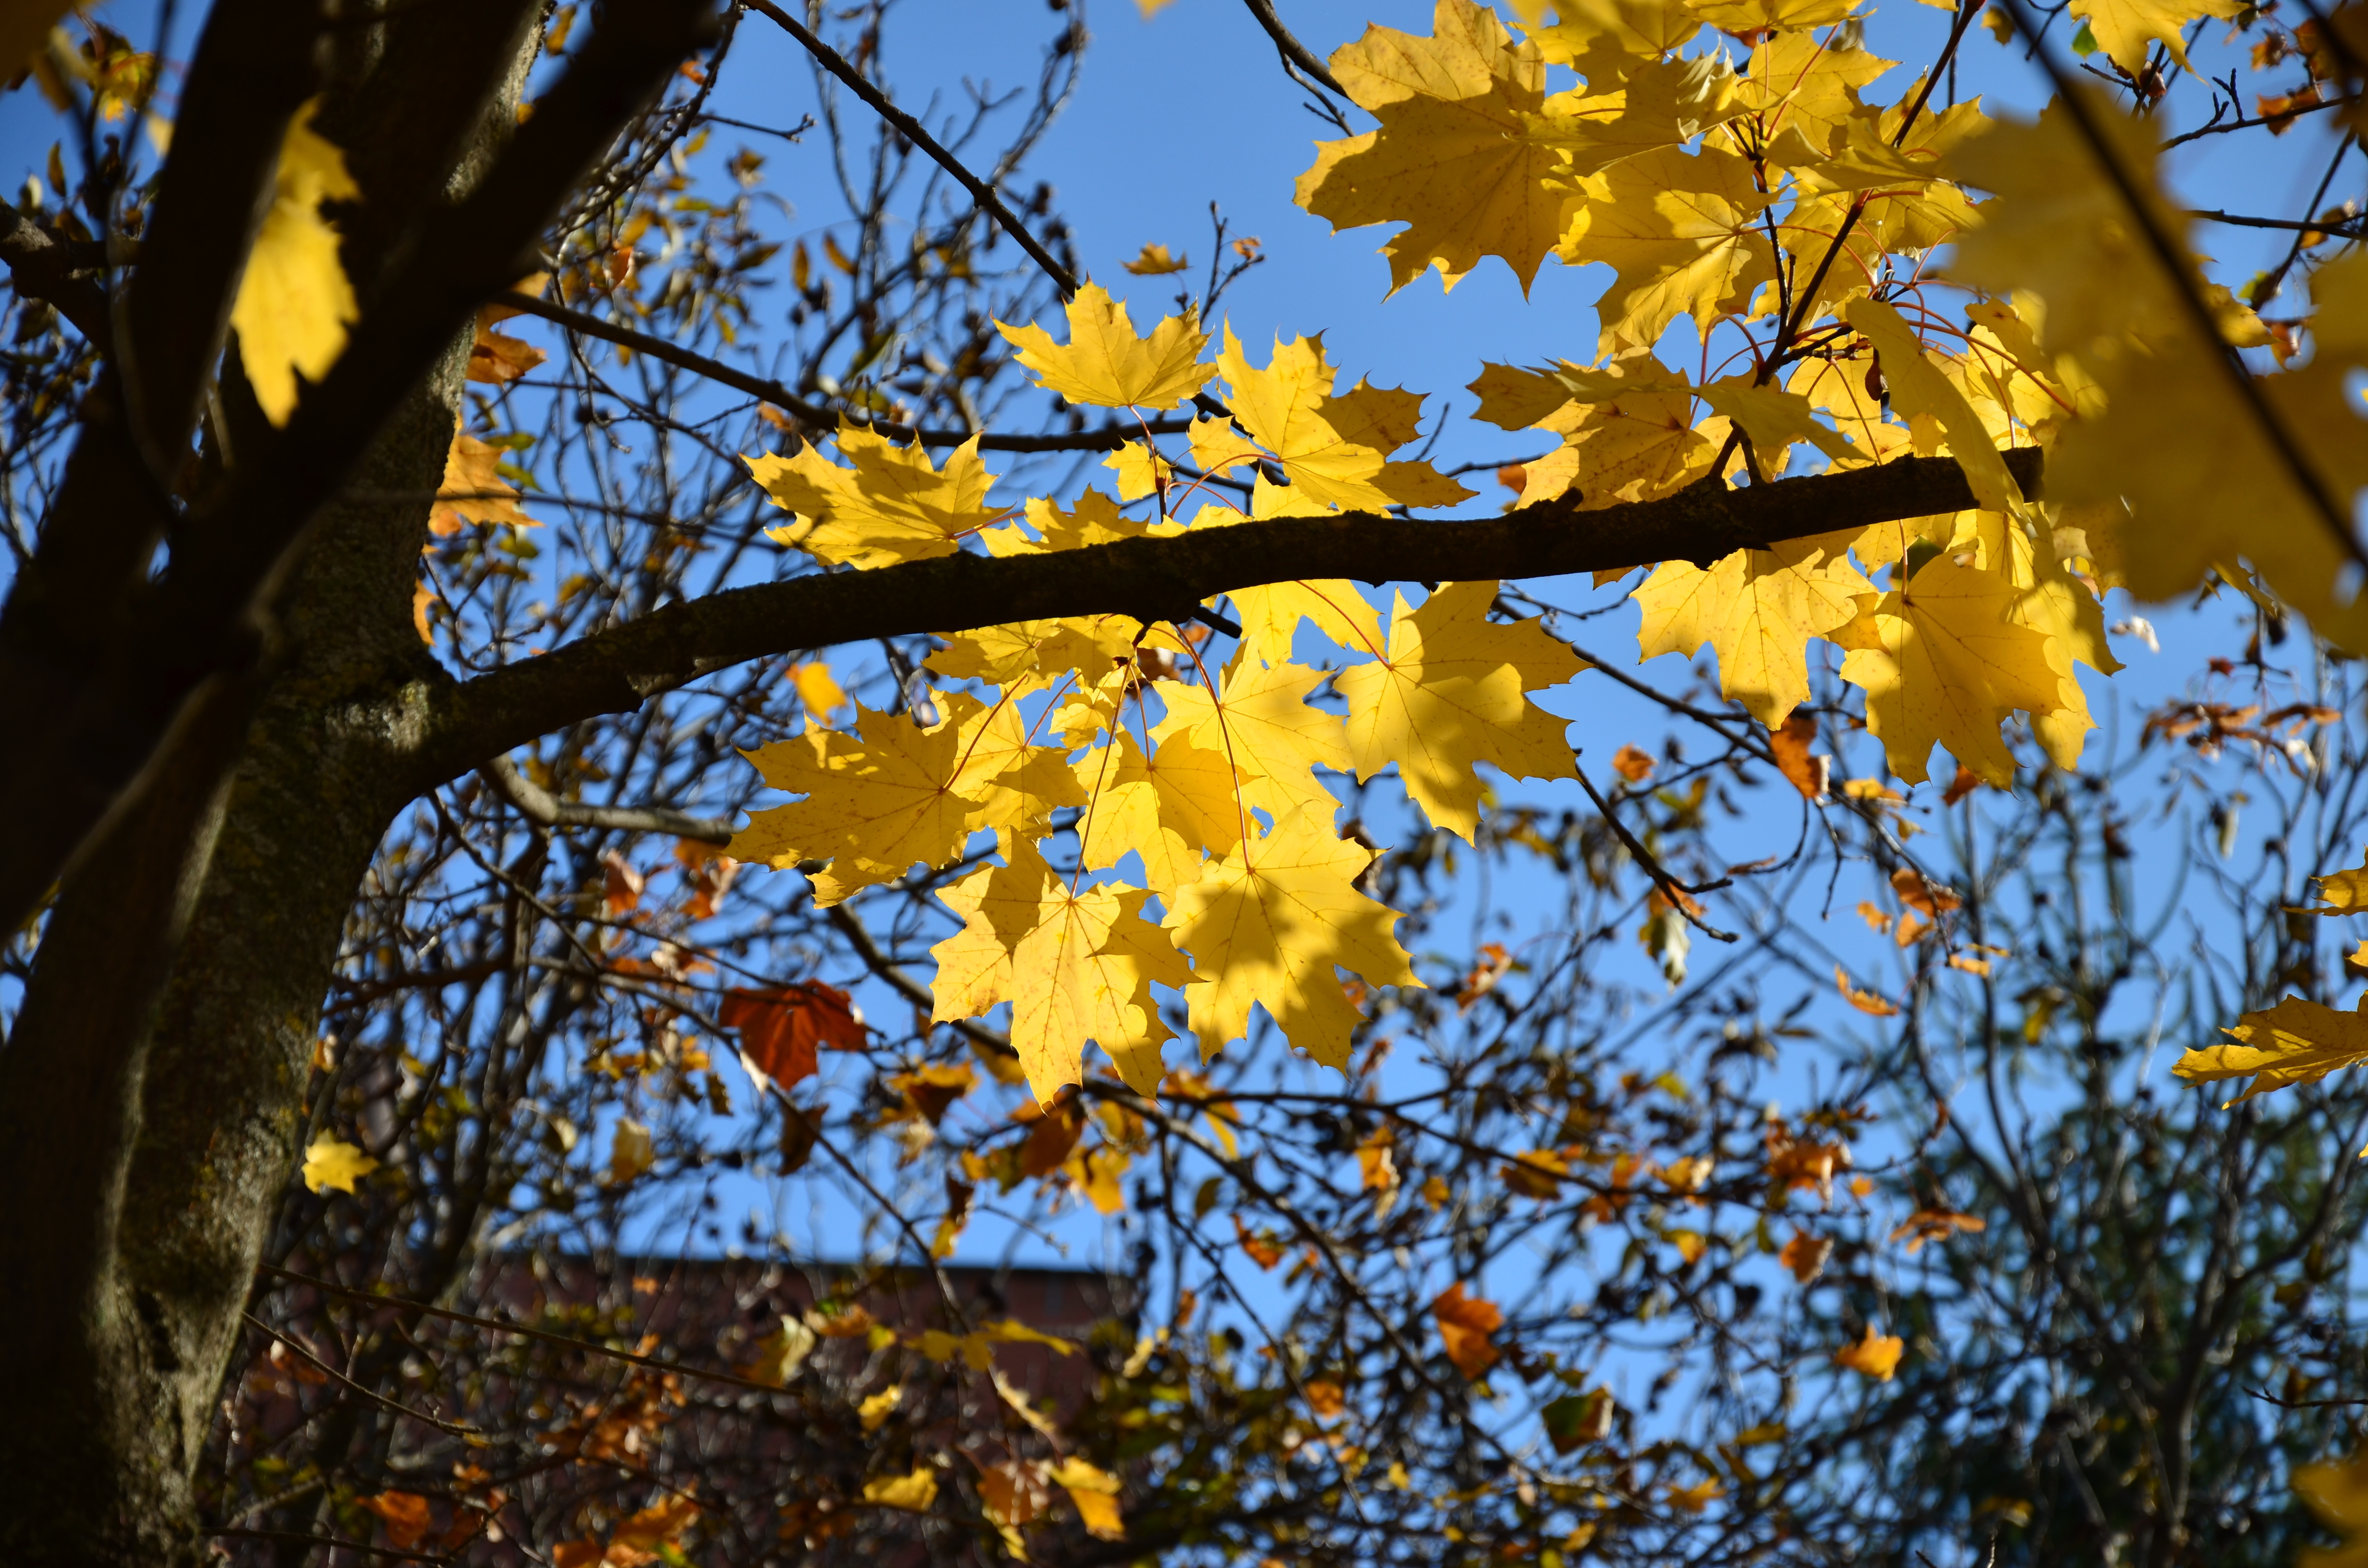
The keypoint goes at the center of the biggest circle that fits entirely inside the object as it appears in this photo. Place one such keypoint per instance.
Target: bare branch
(1163, 579)
(912, 131)
(1291, 48)
(543, 806)
(43, 269)
(1109, 438)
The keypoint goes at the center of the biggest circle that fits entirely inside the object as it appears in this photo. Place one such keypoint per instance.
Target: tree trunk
(158, 1069)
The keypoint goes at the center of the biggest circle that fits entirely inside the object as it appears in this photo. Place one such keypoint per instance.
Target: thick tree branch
(541, 805)
(97, 714)
(1162, 579)
(41, 268)
(1109, 438)
(912, 131)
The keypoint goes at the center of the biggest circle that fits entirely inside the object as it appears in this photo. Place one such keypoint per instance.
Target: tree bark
(158, 1069)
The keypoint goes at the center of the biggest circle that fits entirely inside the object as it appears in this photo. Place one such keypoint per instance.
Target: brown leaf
(1633, 763)
(780, 1027)
(1791, 742)
(1929, 899)
(405, 1515)
(620, 891)
(1327, 1399)
(1464, 1324)
(1805, 1256)
(1263, 1249)
(1935, 1225)
(1057, 1132)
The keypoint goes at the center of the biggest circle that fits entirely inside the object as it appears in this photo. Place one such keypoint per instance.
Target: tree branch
(94, 712)
(1291, 48)
(41, 268)
(912, 131)
(1160, 579)
(543, 806)
(1109, 438)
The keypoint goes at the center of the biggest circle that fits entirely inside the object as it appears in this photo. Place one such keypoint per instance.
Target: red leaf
(780, 1027)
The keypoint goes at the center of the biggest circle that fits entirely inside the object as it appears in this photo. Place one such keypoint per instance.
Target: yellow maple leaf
(819, 692)
(334, 1163)
(1661, 104)
(1166, 808)
(1760, 15)
(1106, 363)
(1141, 470)
(1877, 1356)
(892, 505)
(903, 794)
(2337, 1493)
(1332, 448)
(294, 300)
(1799, 83)
(1775, 419)
(1683, 232)
(1448, 694)
(1452, 158)
(2343, 892)
(1630, 436)
(1258, 720)
(1942, 663)
(1919, 387)
(914, 1492)
(875, 1412)
(1093, 1492)
(999, 905)
(1603, 41)
(2125, 29)
(1081, 973)
(1028, 653)
(1267, 926)
(473, 490)
(1270, 617)
(1758, 609)
(1155, 262)
(2297, 1042)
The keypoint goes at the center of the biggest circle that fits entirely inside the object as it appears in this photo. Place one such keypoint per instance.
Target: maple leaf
(999, 905)
(331, 1162)
(2343, 892)
(1629, 436)
(2297, 1042)
(1775, 418)
(819, 692)
(294, 300)
(2125, 29)
(1094, 1494)
(1084, 972)
(1032, 652)
(781, 1025)
(1919, 387)
(914, 1492)
(1155, 262)
(1605, 40)
(1446, 694)
(473, 490)
(1106, 363)
(1333, 449)
(1451, 159)
(1166, 808)
(1758, 609)
(2337, 1493)
(1805, 1255)
(1659, 103)
(1943, 665)
(1749, 17)
(1258, 720)
(1877, 1356)
(1270, 617)
(1799, 83)
(1267, 926)
(892, 505)
(1681, 229)
(1464, 1324)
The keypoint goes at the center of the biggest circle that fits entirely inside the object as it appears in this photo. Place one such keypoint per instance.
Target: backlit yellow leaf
(332, 1162)
(892, 505)
(1758, 609)
(1106, 362)
(293, 301)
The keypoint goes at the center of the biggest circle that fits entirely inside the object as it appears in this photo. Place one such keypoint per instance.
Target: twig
(2338, 228)
(1291, 48)
(910, 129)
(497, 1326)
(1676, 890)
(300, 1538)
(288, 1337)
(2241, 381)
(544, 807)
(1109, 438)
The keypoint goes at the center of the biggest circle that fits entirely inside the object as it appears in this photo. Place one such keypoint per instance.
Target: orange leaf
(780, 1027)
(404, 1514)
(1464, 1324)
(1805, 1256)
(1327, 1399)
(1633, 763)
(1877, 1356)
(1935, 1225)
(1791, 741)
(1927, 898)
(1864, 1001)
(1262, 1248)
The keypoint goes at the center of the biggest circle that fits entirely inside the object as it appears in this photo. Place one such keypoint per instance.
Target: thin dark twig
(286, 1337)
(1110, 438)
(911, 130)
(1293, 50)
(300, 1538)
(1674, 890)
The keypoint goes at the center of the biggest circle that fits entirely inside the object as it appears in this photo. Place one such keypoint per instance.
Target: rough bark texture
(158, 1068)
